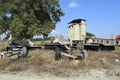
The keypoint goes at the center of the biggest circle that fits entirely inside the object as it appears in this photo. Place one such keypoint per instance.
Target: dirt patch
(93, 74)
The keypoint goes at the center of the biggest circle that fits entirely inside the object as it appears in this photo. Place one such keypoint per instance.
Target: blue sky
(103, 16)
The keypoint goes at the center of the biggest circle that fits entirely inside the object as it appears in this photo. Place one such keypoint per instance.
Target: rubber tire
(57, 53)
(84, 54)
(24, 52)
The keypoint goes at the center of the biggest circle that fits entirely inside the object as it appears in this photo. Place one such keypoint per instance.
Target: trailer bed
(98, 47)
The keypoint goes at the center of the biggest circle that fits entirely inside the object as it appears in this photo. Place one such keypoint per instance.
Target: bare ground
(104, 65)
(93, 74)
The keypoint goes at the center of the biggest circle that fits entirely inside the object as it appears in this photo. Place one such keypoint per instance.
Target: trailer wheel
(24, 52)
(84, 54)
(57, 53)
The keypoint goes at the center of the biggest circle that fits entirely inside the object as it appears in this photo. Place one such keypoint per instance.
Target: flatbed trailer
(53, 46)
(20, 51)
(19, 47)
(98, 47)
(61, 47)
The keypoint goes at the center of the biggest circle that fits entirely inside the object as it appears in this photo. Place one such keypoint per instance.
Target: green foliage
(117, 47)
(29, 17)
(90, 34)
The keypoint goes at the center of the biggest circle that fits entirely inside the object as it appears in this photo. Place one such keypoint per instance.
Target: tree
(29, 17)
(90, 34)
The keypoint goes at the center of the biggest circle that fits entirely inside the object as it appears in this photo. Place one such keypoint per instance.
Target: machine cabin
(77, 30)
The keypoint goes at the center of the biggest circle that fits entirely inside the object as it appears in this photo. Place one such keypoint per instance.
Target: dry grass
(3, 45)
(103, 59)
(4, 63)
(43, 61)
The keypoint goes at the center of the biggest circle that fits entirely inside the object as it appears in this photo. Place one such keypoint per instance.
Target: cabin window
(107, 42)
(102, 41)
